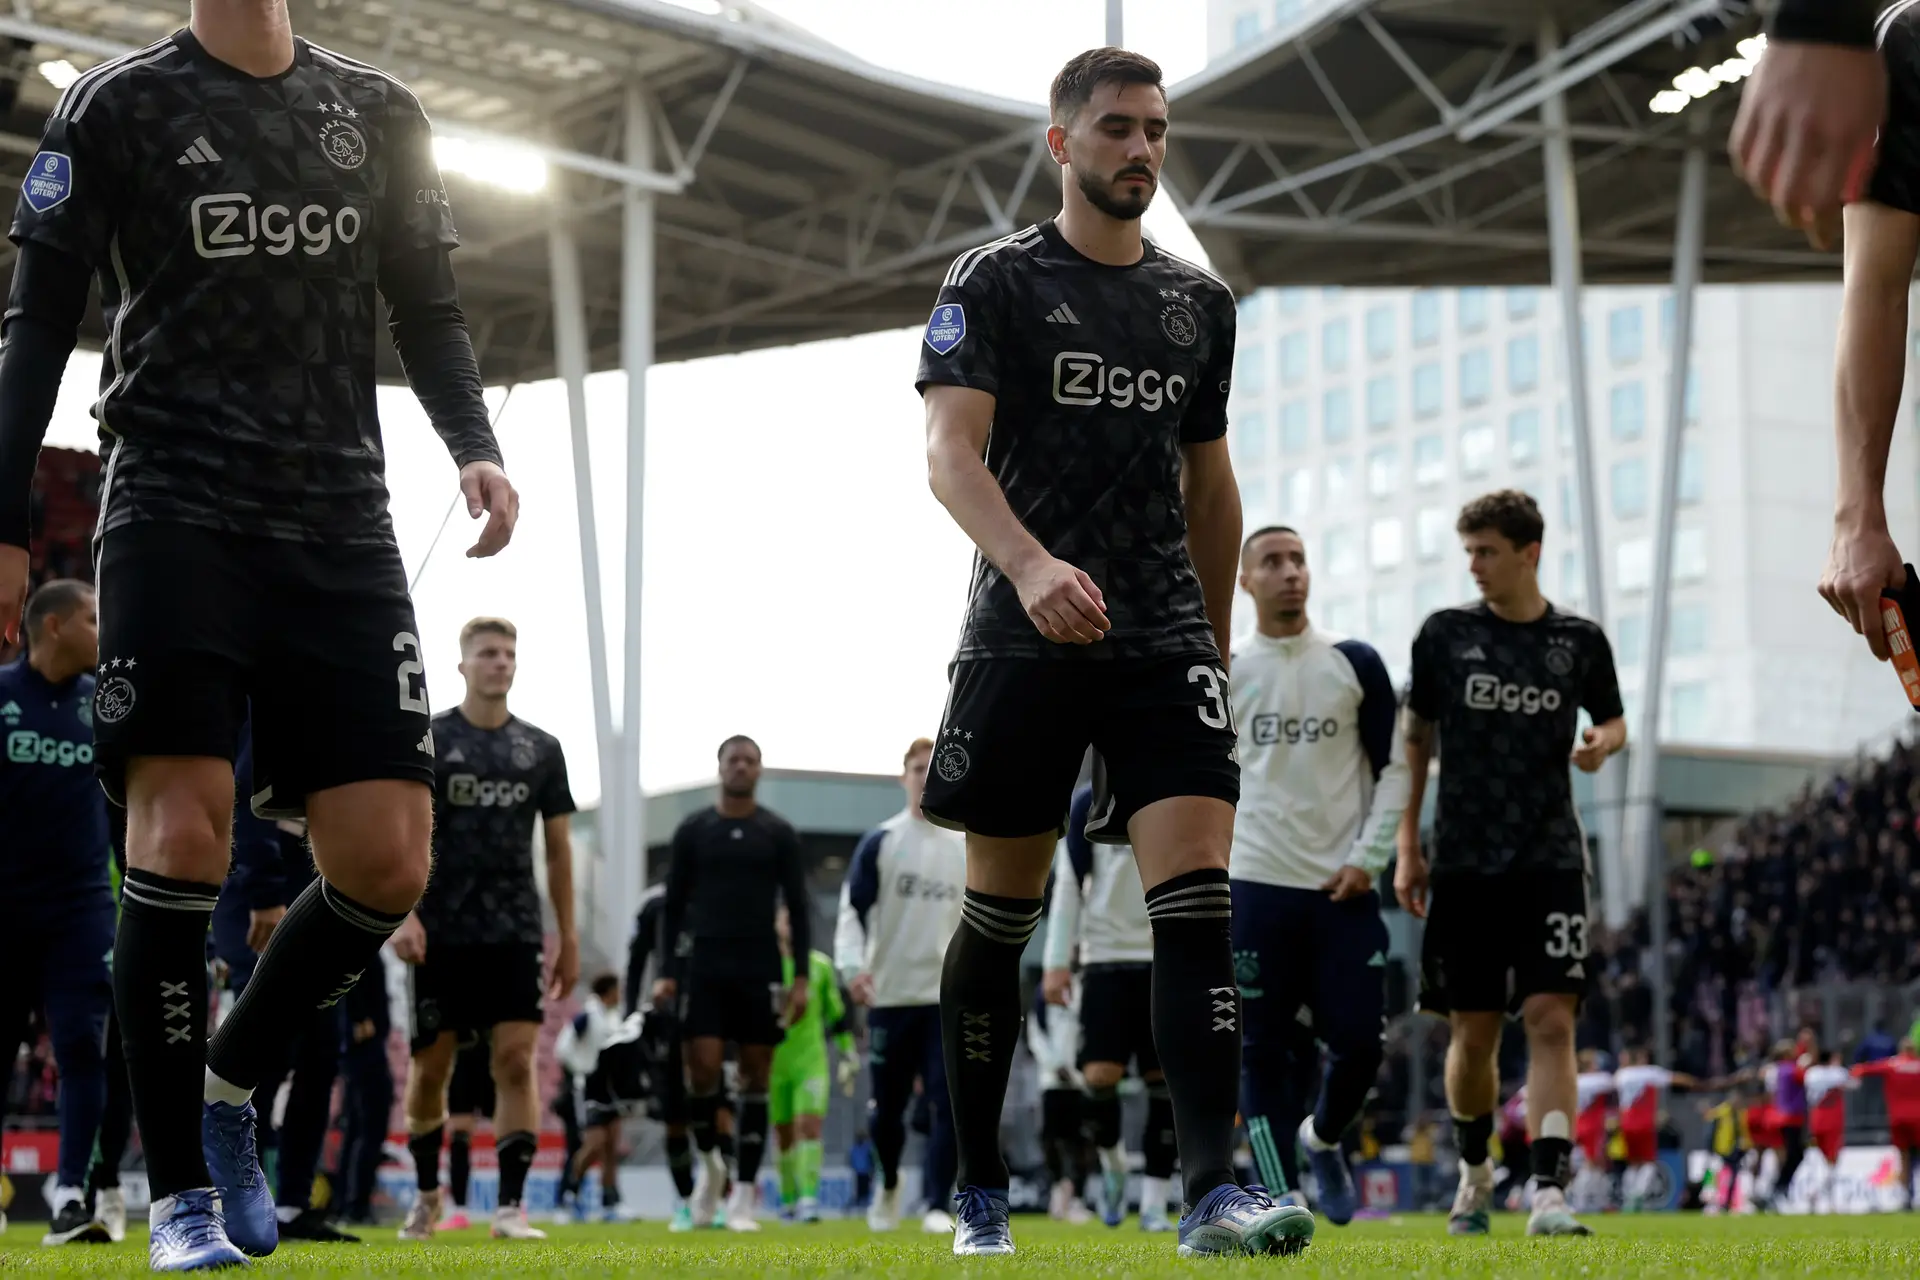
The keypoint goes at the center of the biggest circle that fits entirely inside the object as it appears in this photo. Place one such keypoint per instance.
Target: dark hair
(1263, 531)
(738, 737)
(55, 599)
(1510, 513)
(606, 983)
(1073, 87)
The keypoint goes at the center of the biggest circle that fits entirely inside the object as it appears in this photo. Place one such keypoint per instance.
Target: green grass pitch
(1652, 1245)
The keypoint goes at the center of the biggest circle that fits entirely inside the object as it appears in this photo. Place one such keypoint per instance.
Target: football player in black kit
(1503, 683)
(1075, 378)
(662, 1051)
(728, 865)
(476, 940)
(1883, 241)
(245, 199)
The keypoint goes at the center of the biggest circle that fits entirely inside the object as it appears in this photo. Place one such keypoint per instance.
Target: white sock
(1153, 1195)
(64, 1196)
(1311, 1136)
(218, 1090)
(286, 1212)
(1114, 1158)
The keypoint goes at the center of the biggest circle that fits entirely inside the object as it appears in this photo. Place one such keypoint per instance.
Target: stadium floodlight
(1698, 82)
(497, 164)
(59, 73)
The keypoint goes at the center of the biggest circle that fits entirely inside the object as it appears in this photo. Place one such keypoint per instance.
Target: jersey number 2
(1220, 715)
(410, 666)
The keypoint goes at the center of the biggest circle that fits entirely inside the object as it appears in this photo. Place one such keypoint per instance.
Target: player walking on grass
(1900, 1085)
(244, 198)
(1323, 786)
(56, 905)
(899, 907)
(801, 1077)
(1098, 910)
(729, 864)
(476, 943)
(1501, 683)
(1076, 380)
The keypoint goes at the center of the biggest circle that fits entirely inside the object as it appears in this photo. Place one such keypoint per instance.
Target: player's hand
(1861, 563)
(796, 1002)
(260, 923)
(861, 990)
(1063, 602)
(410, 940)
(848, 1072)
(1057, 984)
(363, 1031)
(1410, 880)
(566, 967)
(15, 564)
(1804, 139)
(1348, 882)
(664, 989)
(488, 490)
(1592, 751)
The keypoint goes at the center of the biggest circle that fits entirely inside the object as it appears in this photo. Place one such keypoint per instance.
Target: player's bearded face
(1123, 194)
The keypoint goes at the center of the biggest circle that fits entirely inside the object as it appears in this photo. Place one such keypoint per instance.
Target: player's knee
(180, 833)
(1476, 1035)
(513, 1065)
(1103, 1075)
(808, 1127)
(1549, 1023)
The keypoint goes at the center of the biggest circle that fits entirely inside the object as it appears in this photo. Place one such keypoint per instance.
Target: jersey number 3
(1569, 936)
(1220, 714)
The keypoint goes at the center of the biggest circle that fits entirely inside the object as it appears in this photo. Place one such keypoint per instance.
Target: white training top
(1098, 903)
(1323, 773)
(899, 907)
(1823, 1080)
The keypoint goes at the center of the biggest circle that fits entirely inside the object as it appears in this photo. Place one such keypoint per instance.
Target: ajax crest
(344, 146)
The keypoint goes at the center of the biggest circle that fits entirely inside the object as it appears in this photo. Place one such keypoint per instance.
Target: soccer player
(662, 1050)
(1639, 1091)
(470, 1096)
(1323, 784)
(56, 906)
(1592, 1119)
(476, 941)
(1882, 243)
(1787, 1077)
(799, 1081)
(1828, 1083)
(729, 864)
(1053, 1036)
(1804, 137)
(1501, 683)
(245, 198)
(1098, 910)
(1075, 377)
(899, 907)
(1899, 1078)
(579, 1049)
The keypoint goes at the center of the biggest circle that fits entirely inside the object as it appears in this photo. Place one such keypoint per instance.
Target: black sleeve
(646, 929)
(793, 890)
(1206, 415)
(42, 324)
(1896, 174)
(430, 333)
(1427, 696)
(1378, 705)
(556, 795)
(1848, 22)
(1600, 694)
(680, 880)
(962, 344)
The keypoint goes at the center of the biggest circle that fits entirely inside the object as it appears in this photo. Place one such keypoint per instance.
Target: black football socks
(515, 1153)
(980, 1018)
(160, 998)
(1196, 1020)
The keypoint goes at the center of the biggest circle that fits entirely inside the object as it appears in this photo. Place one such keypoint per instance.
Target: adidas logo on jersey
(455, 756)
(1475, 654)
(11, 709)
(201, 152)
(1062, 314)
(1577, 971)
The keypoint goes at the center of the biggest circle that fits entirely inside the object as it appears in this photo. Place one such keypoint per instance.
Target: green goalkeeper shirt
(804, 1051)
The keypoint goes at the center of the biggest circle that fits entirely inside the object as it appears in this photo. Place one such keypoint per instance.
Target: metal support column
(1563, 222)
(570, 361)
(1116, 24)
(1643, 787)
(636, 356)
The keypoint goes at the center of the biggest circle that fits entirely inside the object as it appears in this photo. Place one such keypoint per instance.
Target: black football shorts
(469, 988)
(737, 1007)
(195, 625)
(1016, 731)
(1116, 1016)
(1494, 940)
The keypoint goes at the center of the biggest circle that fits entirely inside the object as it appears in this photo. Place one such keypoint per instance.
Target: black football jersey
(1100, 374)
(1506, 697)
(1896, 177)
(722, 883)
(488, 786)
(237, 225)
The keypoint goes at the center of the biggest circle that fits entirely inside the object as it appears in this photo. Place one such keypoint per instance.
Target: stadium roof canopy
(1400, 142)
(800, 193)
